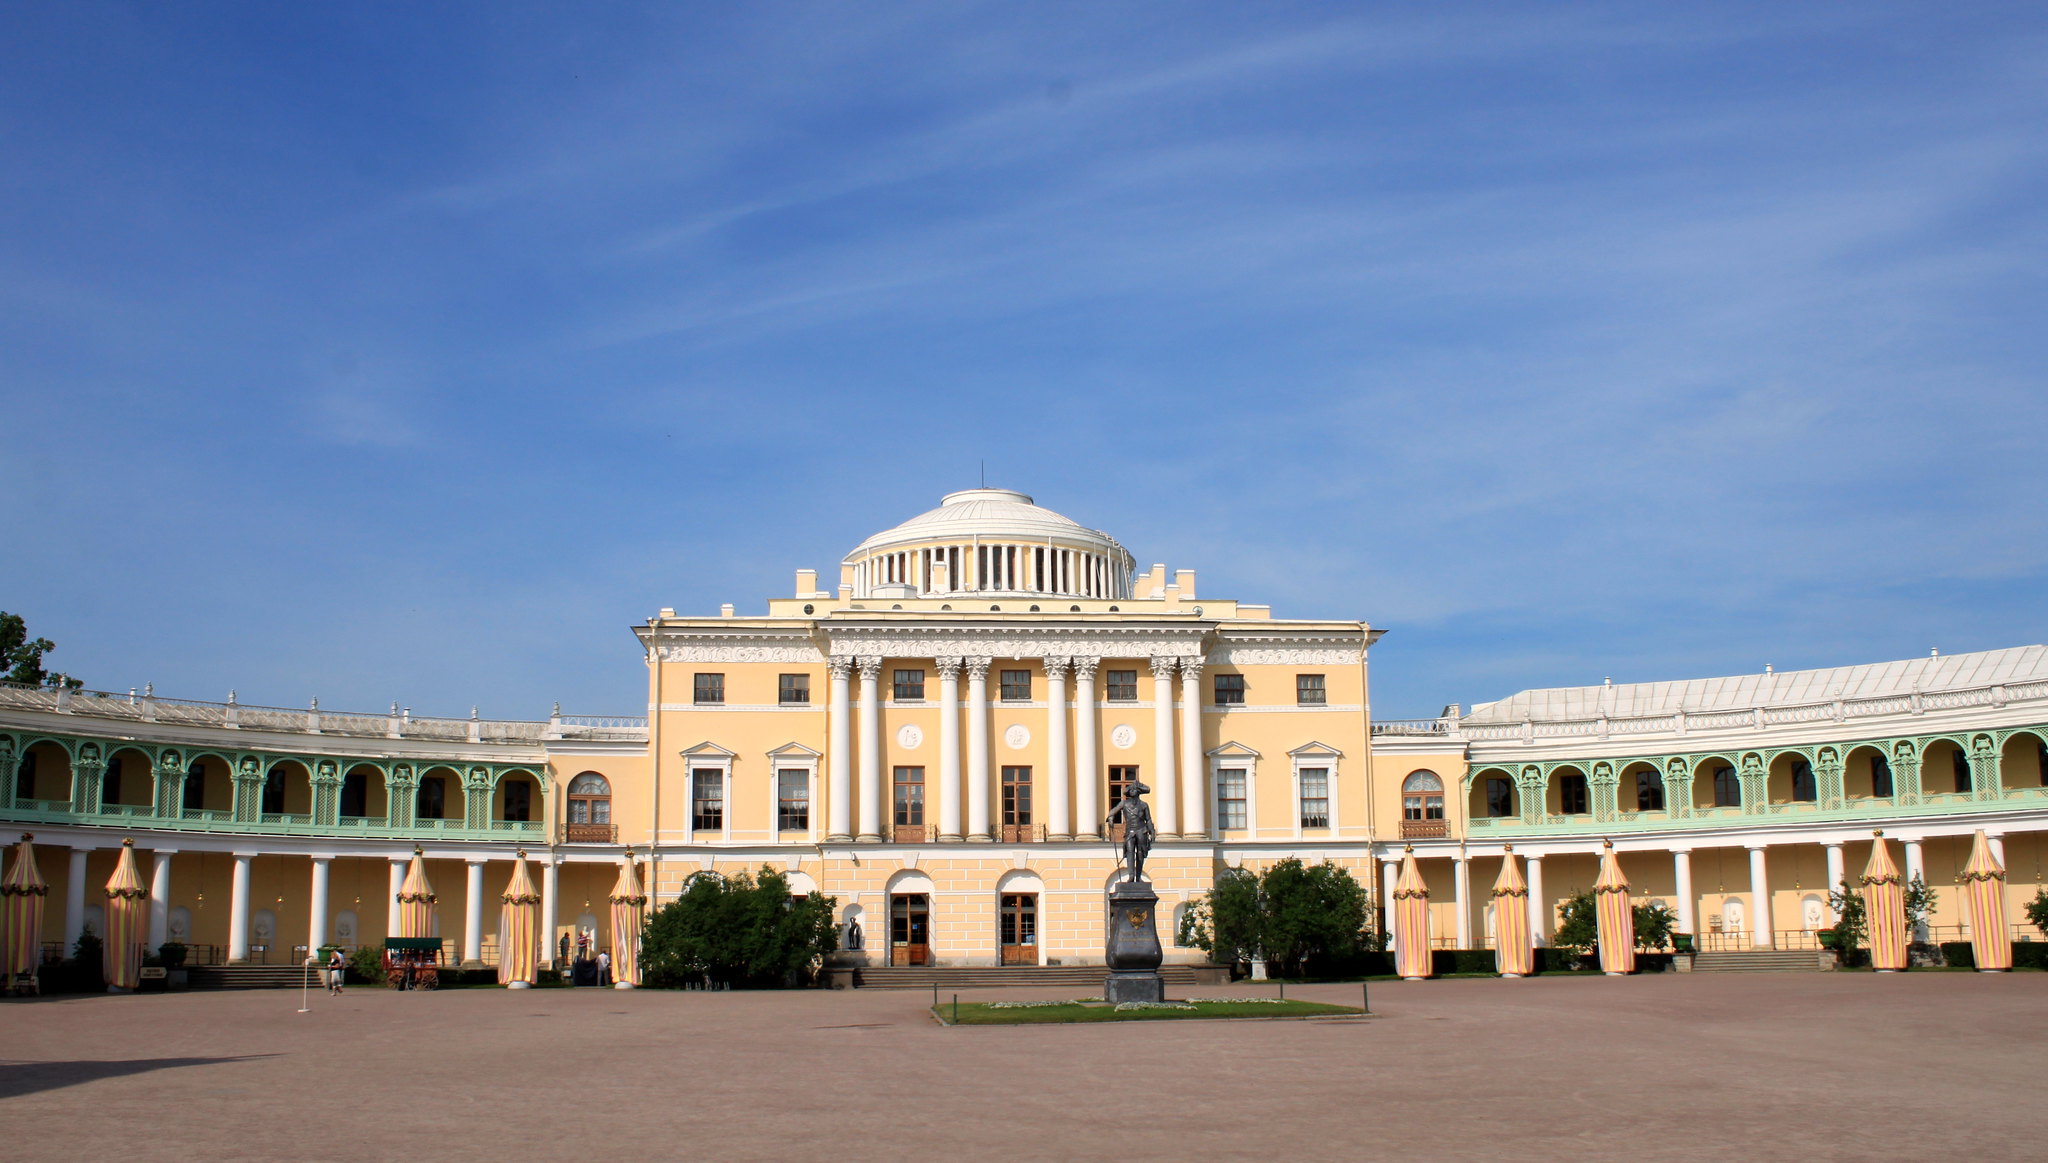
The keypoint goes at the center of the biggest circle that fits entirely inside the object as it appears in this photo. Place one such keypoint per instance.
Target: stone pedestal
(1132, 948)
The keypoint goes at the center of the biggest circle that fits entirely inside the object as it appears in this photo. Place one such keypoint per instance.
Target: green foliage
(21, 657)
(1292, 914)
(2037, 911)
(366, 965)
(739, 930)
(1654, 924)
(1959, 954)
(172, 953)
(1850, 927)
(1919, 903)
(1578, 924)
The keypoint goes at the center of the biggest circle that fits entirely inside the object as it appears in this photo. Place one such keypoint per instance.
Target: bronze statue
(1138, 830)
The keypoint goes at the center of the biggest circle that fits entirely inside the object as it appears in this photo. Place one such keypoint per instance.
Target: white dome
(975, 518)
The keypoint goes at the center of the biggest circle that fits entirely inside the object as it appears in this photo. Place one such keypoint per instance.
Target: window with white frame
(707, 799)
(1315, 797)
(1230, 798)
(792, 799)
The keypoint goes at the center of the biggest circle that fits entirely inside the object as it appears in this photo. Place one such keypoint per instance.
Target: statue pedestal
(1132, 948)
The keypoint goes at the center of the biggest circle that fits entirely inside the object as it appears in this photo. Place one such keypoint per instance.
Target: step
(246, 977)
(1758, 961)
(997, 977)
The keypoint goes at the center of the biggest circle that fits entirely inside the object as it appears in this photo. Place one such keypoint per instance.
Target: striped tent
(127, 919)
(1614, 917)
(416, 900)
(1512, 955)
(1411, 921)
(21, 914)
(518, 930)
(1983, 883)
(628, 902)
(1884, 909)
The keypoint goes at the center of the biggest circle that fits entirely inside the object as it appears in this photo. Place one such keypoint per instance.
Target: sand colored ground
(1792, 1066)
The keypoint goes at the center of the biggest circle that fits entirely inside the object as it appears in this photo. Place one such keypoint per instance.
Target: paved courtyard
(1798, 1066)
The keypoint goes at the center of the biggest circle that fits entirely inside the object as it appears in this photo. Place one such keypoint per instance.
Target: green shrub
(1297, 916)
(1960, 954)
(2030, 955)
(740, 931)
(366, 966)
(173, 954)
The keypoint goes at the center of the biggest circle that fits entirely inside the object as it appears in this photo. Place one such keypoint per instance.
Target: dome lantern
(995, 542)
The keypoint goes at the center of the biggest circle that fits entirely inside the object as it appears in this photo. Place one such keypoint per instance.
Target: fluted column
(1761, 934)
(1539, 905)
(1681, 874)
(160, 899)
(1194, 805)
(1058, 801)
(550, 907)
(1461, 890)
(1087, 772)
(977, 749)
(870, 749)
(1165, 780)
(473, 915)
(949, 749)
(840, 712)
(391, 898)
(238, 910)
(316, 913)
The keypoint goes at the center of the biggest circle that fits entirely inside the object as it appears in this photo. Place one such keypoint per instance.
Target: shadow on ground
(20, 1078)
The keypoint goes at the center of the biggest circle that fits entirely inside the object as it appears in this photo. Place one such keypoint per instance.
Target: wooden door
(1019, 928)
(910, 930)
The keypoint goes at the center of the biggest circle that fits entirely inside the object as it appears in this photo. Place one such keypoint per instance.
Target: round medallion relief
(908, 736)
(1123, 737)
(1018, 737)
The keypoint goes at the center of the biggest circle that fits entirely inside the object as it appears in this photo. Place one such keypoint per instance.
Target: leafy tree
(1578, 923)
(1293, 914)
(1654, 923)
(22, 657)
(738, 930)
(2037, 911)
(1853, 923)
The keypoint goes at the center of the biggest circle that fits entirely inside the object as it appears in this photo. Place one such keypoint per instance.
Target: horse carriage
(412, 962)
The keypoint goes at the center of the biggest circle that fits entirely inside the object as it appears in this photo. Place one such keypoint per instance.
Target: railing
(1414, 728)
(914, 833)
(1023, 834)
(1020, 954)
(1423, 829)
(589, 833)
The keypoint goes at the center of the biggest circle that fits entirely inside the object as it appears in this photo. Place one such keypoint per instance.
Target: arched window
(590, 809)
(1422, 805)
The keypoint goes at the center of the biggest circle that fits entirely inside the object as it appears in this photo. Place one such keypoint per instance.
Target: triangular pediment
(709, 750)
(1315, 750)
(1232, 750)
(795, 751)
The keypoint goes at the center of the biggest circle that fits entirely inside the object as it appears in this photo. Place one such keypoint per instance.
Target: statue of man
(1138, 830)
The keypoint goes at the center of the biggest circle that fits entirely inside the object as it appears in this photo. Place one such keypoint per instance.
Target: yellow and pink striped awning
(1411, 921)
(416, 900)
(21, 914)
(1512, 954)
(1983, 882)
(519, 929)
(628, 907)
(1884, 909)
(127, 920)
(1614, 917)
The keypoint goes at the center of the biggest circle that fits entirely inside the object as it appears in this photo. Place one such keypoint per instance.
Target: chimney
(1185, 579)
(806, 582)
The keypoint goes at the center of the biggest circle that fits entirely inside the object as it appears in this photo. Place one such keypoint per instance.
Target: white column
(1760, 901)
(840, 714)
(1835, 874)
(1681, 873)
(1539, 905)
(1997, 842)
(1916, 867)
(870, 749)
(1058, 804)
(977, 749)
(391, 898)
(473, 915)
(550, 907)
(74, 899)
(1194, 797)
(949, 749)
(1390, 875)
(1087, 774)
(316, 915)
(1461, 892)
(1165, 781)
(238, 910)
(160, 899)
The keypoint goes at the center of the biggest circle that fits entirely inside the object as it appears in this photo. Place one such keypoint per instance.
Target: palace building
(935, 738)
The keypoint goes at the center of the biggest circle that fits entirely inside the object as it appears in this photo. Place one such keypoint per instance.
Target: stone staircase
(949, 977)
(1758, 961)
(246, 977)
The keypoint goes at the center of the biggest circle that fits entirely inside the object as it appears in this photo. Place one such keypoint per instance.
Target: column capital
(1162, 668)
(1190, 670)
(1056, 668)
(476, 861)
(839, 666)
(1084, 668)
(947, 667)
(1756, 847)
(977, 668)
(870, 668)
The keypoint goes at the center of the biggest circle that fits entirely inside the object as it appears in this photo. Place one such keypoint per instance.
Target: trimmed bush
(2030, 955)
(1959, 954)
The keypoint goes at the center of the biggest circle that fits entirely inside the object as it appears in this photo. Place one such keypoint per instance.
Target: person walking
(336, 966)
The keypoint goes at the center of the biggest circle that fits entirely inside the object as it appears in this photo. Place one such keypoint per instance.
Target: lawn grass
(974, 1013)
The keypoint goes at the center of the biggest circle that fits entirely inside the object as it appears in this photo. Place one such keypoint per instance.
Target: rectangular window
(1803, 790)
(910, 796)
(1016, 798)
(1121, 686)
(710, 690)
(793, 690)
(1229, 689)
(195, 789)
(25, 778)
(432, 799)
(1649, 791)
(909, 686)
(1571, 795)
(355, 795)
(1961, 763)
(1119, 779)
(519, 800)
(1500, 797)
(1880, 776)
(1315, 797)
(1727, 789)
(1016, 687)
(1308, 690)
(792, 800)
(1230, 803)
(707, 799)
(110, 787)
(1019, 919)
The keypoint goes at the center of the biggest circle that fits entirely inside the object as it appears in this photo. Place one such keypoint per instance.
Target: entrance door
(1020, 928)
(910, 930)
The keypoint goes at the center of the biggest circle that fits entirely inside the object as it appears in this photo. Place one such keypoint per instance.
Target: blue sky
(413, 351)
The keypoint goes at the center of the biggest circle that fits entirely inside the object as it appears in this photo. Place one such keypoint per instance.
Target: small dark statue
(1138, 830)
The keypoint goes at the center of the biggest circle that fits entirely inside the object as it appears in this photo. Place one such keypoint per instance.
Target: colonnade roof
(991, 515)
(2017, 664)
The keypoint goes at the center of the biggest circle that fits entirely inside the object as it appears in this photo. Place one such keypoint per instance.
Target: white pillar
(1390, 875)
(391, 898)
(1997, 842)
(1194, 798)
(74, 899)
(160, 899)
(1835, 873)
(238, 910)
(1916, 868)
(1539, 905)
(870, 749)
(949, 749)
(550, 907)
(977, 749)
(840, 714)
(1087, 812)
(1058, 804)
(1681, 874)
(1461, 893)
(316, 922)
(1165, 781)
(1761, 934)
(473, 915)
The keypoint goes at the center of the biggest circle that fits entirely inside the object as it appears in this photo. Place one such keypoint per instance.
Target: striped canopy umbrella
(416, 900)
(1884, 909)
(1512, 955)
(1614, 917)
(627, 904)
(1983, 883)
(518, 924)
(127, 916)
(21, 914)
(1411, 921)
